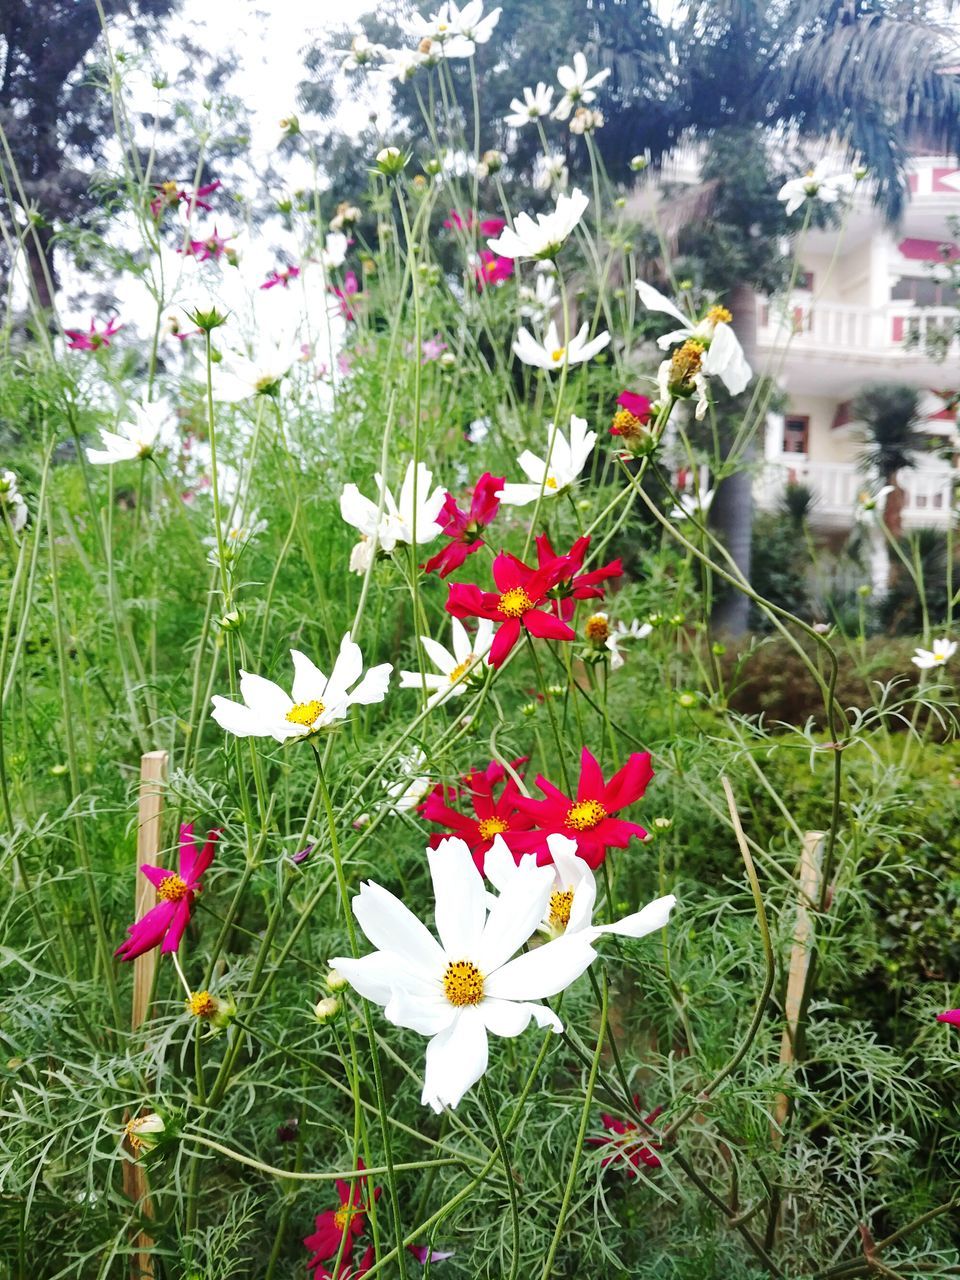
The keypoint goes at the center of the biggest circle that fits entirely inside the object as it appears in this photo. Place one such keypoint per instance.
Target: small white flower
(942, 651)
(153, 424)
(334, 250)
(411, 786)
(401, 64)
(535, 105)
(237, 376)
(543, 238)
(538, 303)
(318, 702)
(469, 22)
(361, 53)
(567, 458)
(586, 120)
(443, 28)
(723, 356)
(817, 183)
(577, 86)
(574, 894)
(692, 506)
(620, 634)
(361, 557)
(870, 506)
(389, 522)
(550, 172)
(458, 989)
(456, 667)
(12, 504)
(240, 528)
(551, 354)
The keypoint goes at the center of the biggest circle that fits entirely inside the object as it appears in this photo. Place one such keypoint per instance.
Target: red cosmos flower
(633, 411)
(952, 1016)
(351, 286)
(463, 527)
(630, 1148)
(334, 1224)
(515, 605)
(171, 193)
(345, 1270)
(81, 340)
(493, 269)
(575, 585)
(492, 815)
(281, 277)
(166, 922)
(486, 226)
(212, 246)
(589, 819)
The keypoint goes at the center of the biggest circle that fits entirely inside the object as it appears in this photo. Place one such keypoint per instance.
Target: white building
(866, 298)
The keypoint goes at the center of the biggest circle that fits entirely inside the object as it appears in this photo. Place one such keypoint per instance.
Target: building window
(796, 429)
(924, 291)
(804, 281)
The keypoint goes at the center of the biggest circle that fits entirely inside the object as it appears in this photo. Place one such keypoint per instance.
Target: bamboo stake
(153, 772)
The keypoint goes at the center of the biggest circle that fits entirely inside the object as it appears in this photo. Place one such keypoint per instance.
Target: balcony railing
(898, 331)
(837, 487)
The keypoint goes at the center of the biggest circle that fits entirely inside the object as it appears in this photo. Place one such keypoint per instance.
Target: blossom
(516, 604)
(424, 1255)
(12, 504)
(586, 120)
(463, 527)
(318, 702)
(163, 925)
(94, 339)
(574, 585)
(411, 786)
(628, 1147)
(817, 183)
(238, 530)
(466, 985)
(432, 348)
(457, 30)
(334, 251)
(577, 86)
(573, 897)
(543, 238)
(550, 172)
(692, 506)
(171, 193)
(551, 354)
(494, 816)
(346, 215)
(632, 418)
(942, 651)
(402, 64)
(492, 269)
(455, 668)
(537, 303)
(346, 1269)
(486, 226)
(361, 53)
(709, 348)
(535, 105)
(565, 460)
(238, 376)
(153, 423)
(590, 818)
(386, 523)
(952, 1016)
(213, 246)
(281, 276)
(469, 22)
(870, 505)
(350, 289)
(334, 1224)
(619, 634)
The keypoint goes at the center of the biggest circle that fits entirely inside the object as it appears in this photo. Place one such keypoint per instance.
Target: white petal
(428, 1016)
(264, 697)
(650, 918)
(440, 656)
(392, 926)
(346, 671)
(456, 1059)
(309, 682)
(517, 913)
(509, 1018)
(358, 510)
(543, 972)
(533, 468)
(370, 976)
(499, 866)
(373, 687)
(460, 899)
(238, 719)
(654, 300)
(518, 495)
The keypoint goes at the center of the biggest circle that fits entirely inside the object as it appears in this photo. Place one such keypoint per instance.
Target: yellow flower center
(305, 713)
(561, 900)
(202, 1005)
(719, 315)
(490, 827)
(550, 483)
(343, 1217)
(170, 188)
(685, 363)
(462, 668)
(597, 629)
(463, 983)
(171, 889)
(585, 815)
(557, 355)
(265, 383)
(627, 424)
(425, 45)
(515, 603)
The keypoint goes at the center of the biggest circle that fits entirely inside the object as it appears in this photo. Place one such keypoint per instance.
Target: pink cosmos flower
(574, 585)
(628, 1146)
(493, 269)
(952, 1016)
(281, 277)
(486, 226)
(213, 246)
(81, 340)
(463, 527)
(423, 1254)
(351, 287)
(164, 924)
(334, 1224)
(171, 193)
(433, 348)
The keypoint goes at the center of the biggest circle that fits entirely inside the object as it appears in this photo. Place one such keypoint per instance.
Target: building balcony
(899, 332)
(837, 487)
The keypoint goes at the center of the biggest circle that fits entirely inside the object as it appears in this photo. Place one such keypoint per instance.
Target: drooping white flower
(722, 354)
(587, 120)
(550, 172)
(455, 667)
(570, 907)
(318, 701)
(551, 475)
(543, 238)
(578, 87)
(818, 183)
(362, 53)
(538, 303)
(870, 506)
(941, 653)
(402, 64)
(692, 506)
(620, 634)
(535, 105)
(458, 989)
(153, 425)
(551, 354)
(12, 503)
(411, 785)
(386, 523)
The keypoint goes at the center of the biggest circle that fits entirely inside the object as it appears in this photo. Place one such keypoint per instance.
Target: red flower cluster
(351, 287)
(463, 527)
(335, 1224)
(629, 1148)
(574, 585)
(524, 822)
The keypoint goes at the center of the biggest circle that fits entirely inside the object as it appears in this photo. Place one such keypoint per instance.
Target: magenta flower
(170, 194)
(493, 269)
(423, 1254)
(952, 1016)
(213, 246)
(463, 527)
(351, 287)
(164, 924)
(281, 277)
(432, 348)
(486, 226)
(81, 340)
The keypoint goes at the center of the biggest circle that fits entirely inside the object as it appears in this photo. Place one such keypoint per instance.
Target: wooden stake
(153, 772)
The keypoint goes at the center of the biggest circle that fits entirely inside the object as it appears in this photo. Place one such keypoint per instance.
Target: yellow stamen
(171, 889)
(627, 425)
(550, 483)
(462, 668)
(561, 900)
(597, 629)
(685, 364)
(202, 1004)
(719, 315)
(343, 1217)
(557, 355)
(305, 713)
(585, 815)
(490, 827)
(515, 603)
(463, 983)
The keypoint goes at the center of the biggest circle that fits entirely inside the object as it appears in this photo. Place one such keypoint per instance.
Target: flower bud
(639, 163)
(335, 981)
(145, 1133)
(391, 161)
(326, 1010)
(492, 161)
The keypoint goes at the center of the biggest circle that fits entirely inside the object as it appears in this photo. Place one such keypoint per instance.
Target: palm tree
(890, 413)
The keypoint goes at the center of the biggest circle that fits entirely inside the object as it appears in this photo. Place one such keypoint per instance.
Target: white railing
(899, 331)
(928, 490)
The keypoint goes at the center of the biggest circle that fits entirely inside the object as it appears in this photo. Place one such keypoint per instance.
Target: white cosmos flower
(442, 30)
(870, 506)
(469, 22)
(535, 105)
(153, 424)
(12, 503)
(817, 183)
(723, 356)
(567, 458)
(942, 651)
(538, 303)
(543, 238)
(619, 634)
(551, 354)
(334, 249)
(239, 529)
(237, 377)
(550, 172)
(569, 910)
(318, 702)
(458, 989)
(361, 53)
(387, 523)
(401, 64)
(454, 667)
(577, 86)
(411, 786)
(692, 506)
